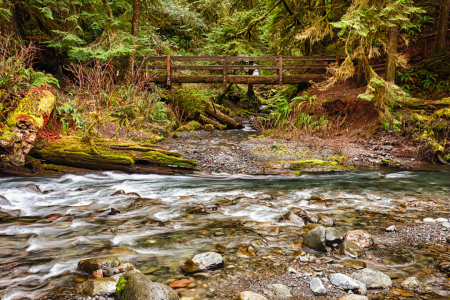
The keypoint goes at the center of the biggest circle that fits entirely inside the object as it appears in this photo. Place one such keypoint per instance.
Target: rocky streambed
(353, 234)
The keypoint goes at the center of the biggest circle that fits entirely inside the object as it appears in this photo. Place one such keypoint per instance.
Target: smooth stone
(5, 216)
(411, 283)
(245, 251)
(4, 201)
(333, 236)
(119, 192)
(259, 243)
(135, 285)
(294, 218)
(441, 220)
(315, 239)
(122, 250)
(444, 266)
(372, 278)
(325, 220)
(32, 187)
(88, 266)
(429, 220)
(247, 295)
(344, 281)
(281, 290)
(446, 224)
(16, 213)
(203, 261)
(353, 297)
(355, 264)
(93, 287)
(312, 218)
(360, 237)
(316, 285)
(391, 228)
(202, 275)
(351, 249)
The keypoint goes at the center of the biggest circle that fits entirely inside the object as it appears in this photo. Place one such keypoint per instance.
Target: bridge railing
(224, 66)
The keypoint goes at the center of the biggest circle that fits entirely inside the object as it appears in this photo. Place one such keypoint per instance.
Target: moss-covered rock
(191, 126)
(318, 166)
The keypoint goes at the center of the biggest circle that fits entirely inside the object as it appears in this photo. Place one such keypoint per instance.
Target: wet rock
(294, 218)
(333, 236)
(119, 192)
(259, 243)
(4, 216)
(247, 295)
(133, 194)
(353, 297)
(32, 187)
(16, 213)
(315, 239)
(444, 266)
(355, 264)
(326, 220)
(429, 220)
(312, 218)
(180, 283)
(345, 282)
(88, 266)
(281, 290)
(134, 285)
(112, 211)
(47, 192)
(360, 237)
(351, 249)
(318, 203)
(96, 274)
(4, 201)
(411, 283)
(372, 278)
(94, 287)
(391, 228)
(316, 285)
(245, 251)
(203, 261)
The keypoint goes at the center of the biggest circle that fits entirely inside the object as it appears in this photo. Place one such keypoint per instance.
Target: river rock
(259, 243)
(88, 266)
(315, 239)
(391, 228)
(355, 264)
(312, 218)
(360, 237)
(411, 283)
(247, 295)
(345, 282)
(444, 266)
(134, 285)
(16, 213)
(245, 251)
(119, 192)
(320, 203)
(326, 220)
(180, 283)
(351, 249)
(316, 285)
(446, 224)
(32, 187)
(97, 286)
(203, 261)
(281, 290)
(294, 218)
(372, 278)
(441, 220)
(333, 236)
(5, 216)
(353, 297)
(429, 220)
(4, 201)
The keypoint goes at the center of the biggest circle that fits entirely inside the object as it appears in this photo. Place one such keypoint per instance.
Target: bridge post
(168, 71)
(225, 72)
(280, 69)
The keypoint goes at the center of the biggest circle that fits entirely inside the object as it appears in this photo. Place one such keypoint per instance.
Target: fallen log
(75, 152)
(223, 118)
(205, 120)
(24, 126)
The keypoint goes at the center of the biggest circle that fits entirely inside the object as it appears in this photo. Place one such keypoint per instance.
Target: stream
(172, 218)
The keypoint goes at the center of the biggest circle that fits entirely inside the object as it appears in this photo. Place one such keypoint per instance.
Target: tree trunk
(134, 32)
(440, 45)
(18, 20)
(24, 126)
(392, 53)
(215, 113)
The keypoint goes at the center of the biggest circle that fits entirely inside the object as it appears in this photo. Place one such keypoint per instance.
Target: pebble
(281, 290)
(391, 228)
(429, 220)
(441, 220)
(446, 224)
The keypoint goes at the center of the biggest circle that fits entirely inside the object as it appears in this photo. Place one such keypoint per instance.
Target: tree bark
(134, 32)
(18, 20)
(440, 45)
(24, 126)
(392, 53)
(223, 118)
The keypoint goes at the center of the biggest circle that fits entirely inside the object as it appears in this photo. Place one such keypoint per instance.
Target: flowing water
(39, 251)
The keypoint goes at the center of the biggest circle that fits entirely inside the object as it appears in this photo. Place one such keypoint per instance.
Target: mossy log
(205, 120)
(223, 118)
(24, 126)
(105, 154)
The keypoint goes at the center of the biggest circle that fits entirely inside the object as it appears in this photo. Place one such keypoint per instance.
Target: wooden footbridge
(224, 64)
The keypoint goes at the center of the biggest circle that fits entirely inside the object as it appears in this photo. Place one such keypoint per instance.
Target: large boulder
(105, 264)
(247, 295)
(360, 237)
(372, 278)
(97, 286)
(349, 248)
(333, 236)
(203, 261)
(315, 239)
(134, 285)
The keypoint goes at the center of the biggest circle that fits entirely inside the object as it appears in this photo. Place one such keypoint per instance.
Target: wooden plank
(247, 59)
(168, 71)
(225, 72)
(239, 79)
(305, 67)
(151, 58)
(197, 58)
(338, 60)
(212, 67)
(309, 58)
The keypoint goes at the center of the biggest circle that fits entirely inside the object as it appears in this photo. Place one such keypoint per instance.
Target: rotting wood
(223, 118)
(205, 120)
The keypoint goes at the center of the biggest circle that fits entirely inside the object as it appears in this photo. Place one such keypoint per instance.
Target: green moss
(385, 162)
(191, 126)
(120, 286)
(158, 157)
(298, 173)
(311, 163)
